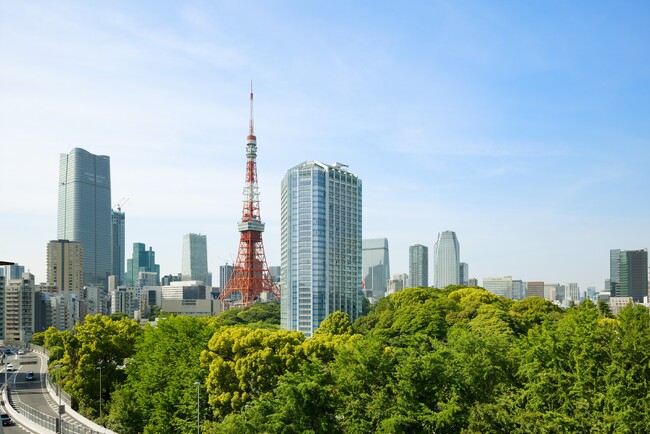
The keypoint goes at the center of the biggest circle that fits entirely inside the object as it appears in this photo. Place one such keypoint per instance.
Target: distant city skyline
(521, 134)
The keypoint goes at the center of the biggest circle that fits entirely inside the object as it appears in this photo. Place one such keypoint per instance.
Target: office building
(275, 271)
(535, 289)
(614, 255)
(225, 274)
(65, 310)
(169, 278)
(472, 282)
(3, 290)
(84, 213)
(397, 283)
(65, 267)
(195, 258)
(118, 246)
(142, 260)
(632, 275)
(185, 290)
(19, 308)
(518, 290)
(418, 265)
(375, 267)
(125, 300)
(321, 248)
(501, 286)
(12, 272)
(446, 258)
(463, 269)
(550, 291)
(572, 292)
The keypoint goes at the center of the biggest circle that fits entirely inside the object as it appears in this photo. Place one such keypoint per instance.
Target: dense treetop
(422, 360)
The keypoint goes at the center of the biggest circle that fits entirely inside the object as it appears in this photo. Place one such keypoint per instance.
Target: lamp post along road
(58, 388)
(100, 395)
(198, 407)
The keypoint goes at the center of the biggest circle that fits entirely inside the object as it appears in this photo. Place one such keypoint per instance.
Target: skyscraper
(446, 258)
(65, 266)
(613, 270)
(375, 267)
(143, 260)
(463, 269)
(85, 209)
(419, 265)
(118, 248)
(225, 273)
(632, 274)
(320, 245)
(195, 258)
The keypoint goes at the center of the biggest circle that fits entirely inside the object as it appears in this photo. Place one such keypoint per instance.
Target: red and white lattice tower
(251, 276)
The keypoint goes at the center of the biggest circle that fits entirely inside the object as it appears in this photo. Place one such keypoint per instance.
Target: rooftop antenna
(251, 125)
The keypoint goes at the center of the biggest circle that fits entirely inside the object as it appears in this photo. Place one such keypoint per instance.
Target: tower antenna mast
(251, 276)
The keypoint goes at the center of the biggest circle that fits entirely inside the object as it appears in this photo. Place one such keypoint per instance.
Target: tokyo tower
(251, 276)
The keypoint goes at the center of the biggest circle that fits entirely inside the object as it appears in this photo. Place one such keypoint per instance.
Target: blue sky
(522, 126)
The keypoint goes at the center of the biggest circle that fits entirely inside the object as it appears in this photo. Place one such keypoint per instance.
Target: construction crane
(121, 203)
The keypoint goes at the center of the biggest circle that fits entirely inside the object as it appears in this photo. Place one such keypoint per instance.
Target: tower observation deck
(251, 276)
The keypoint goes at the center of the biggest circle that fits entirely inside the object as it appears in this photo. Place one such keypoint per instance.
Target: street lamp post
(100, 394)
(58, 387)
(198, 407)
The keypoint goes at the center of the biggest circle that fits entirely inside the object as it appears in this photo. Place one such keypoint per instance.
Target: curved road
(32, 393)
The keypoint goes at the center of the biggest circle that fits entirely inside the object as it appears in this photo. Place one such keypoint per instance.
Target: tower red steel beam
(251, 276)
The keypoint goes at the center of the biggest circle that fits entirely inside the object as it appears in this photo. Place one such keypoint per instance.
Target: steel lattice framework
(251, 276)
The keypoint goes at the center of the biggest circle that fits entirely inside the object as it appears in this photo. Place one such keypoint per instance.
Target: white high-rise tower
(446, 258)
(320, 245)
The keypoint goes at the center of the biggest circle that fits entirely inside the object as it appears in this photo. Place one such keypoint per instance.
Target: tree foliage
(456, 360)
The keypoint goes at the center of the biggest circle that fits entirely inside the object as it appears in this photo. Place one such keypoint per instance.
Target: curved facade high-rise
(321, 245)
(446, 260)
(85, 210)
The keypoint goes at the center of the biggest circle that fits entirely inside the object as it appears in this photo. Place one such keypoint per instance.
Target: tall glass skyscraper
(632, 275)
(320, 245)
(142, 261)
(85, 210)
(419, 265)
(446, 258)
(195, 258)
(376, 267)
(118, 248)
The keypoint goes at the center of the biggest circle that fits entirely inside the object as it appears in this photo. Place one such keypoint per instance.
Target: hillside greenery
(456, 360)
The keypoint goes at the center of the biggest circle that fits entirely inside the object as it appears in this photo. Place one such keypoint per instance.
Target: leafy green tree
(562, 367)
(98, 342)
(245, 363)
(362, 372)
(302, 402)
(533, 311)
(159, 395)
(260, 314)
(38, 338)
(628, 375)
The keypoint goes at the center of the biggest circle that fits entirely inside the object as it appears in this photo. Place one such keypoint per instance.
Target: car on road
(6, 420)
(10, 367)
(21, 352)
(29, 376)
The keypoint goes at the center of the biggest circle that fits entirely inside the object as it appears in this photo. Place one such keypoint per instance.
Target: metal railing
(38, 417)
